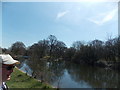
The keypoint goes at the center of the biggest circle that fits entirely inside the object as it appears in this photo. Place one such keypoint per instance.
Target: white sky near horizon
(60, 0)
(30, 22)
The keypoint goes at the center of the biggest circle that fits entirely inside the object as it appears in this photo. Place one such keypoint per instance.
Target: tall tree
(52, 43)
(59, 49)
(18, 48)
(97, 46)
(43, 47)
(77, 45)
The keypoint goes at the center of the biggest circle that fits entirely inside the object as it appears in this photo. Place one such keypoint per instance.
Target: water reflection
(49, 72)
(94, 76)
(24, 67)
(69, 75)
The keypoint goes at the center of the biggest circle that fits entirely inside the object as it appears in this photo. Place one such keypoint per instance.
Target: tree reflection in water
(54, 72)
(45, 71)
(96, 77)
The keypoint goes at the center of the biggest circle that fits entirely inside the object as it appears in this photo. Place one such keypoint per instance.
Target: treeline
(48, 48)
(79, 52)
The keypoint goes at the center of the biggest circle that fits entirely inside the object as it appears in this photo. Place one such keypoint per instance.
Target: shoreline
(19, 79)
(34, 78)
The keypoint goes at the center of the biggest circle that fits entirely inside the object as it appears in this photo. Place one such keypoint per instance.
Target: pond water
(68, 75)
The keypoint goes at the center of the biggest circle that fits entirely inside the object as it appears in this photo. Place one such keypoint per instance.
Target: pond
(69, 75)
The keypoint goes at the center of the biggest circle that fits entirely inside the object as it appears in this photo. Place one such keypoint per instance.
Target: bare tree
(18, 48)
(77, 45)
(52, 43)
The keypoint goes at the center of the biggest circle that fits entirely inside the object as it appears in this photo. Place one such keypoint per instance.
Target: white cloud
(109, 16)
(103, 17)
(61, 14)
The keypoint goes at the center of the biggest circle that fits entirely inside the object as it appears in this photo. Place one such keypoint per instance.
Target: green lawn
(21, 80)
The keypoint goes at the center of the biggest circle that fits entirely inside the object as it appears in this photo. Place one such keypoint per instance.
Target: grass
(21, 80)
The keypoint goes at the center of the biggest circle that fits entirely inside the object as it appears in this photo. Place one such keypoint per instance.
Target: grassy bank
(21, 80)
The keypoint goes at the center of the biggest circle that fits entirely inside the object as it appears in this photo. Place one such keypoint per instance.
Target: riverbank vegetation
(21, 80)
(95, 53)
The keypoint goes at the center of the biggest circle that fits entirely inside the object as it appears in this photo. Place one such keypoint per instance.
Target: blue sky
(30, 22)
